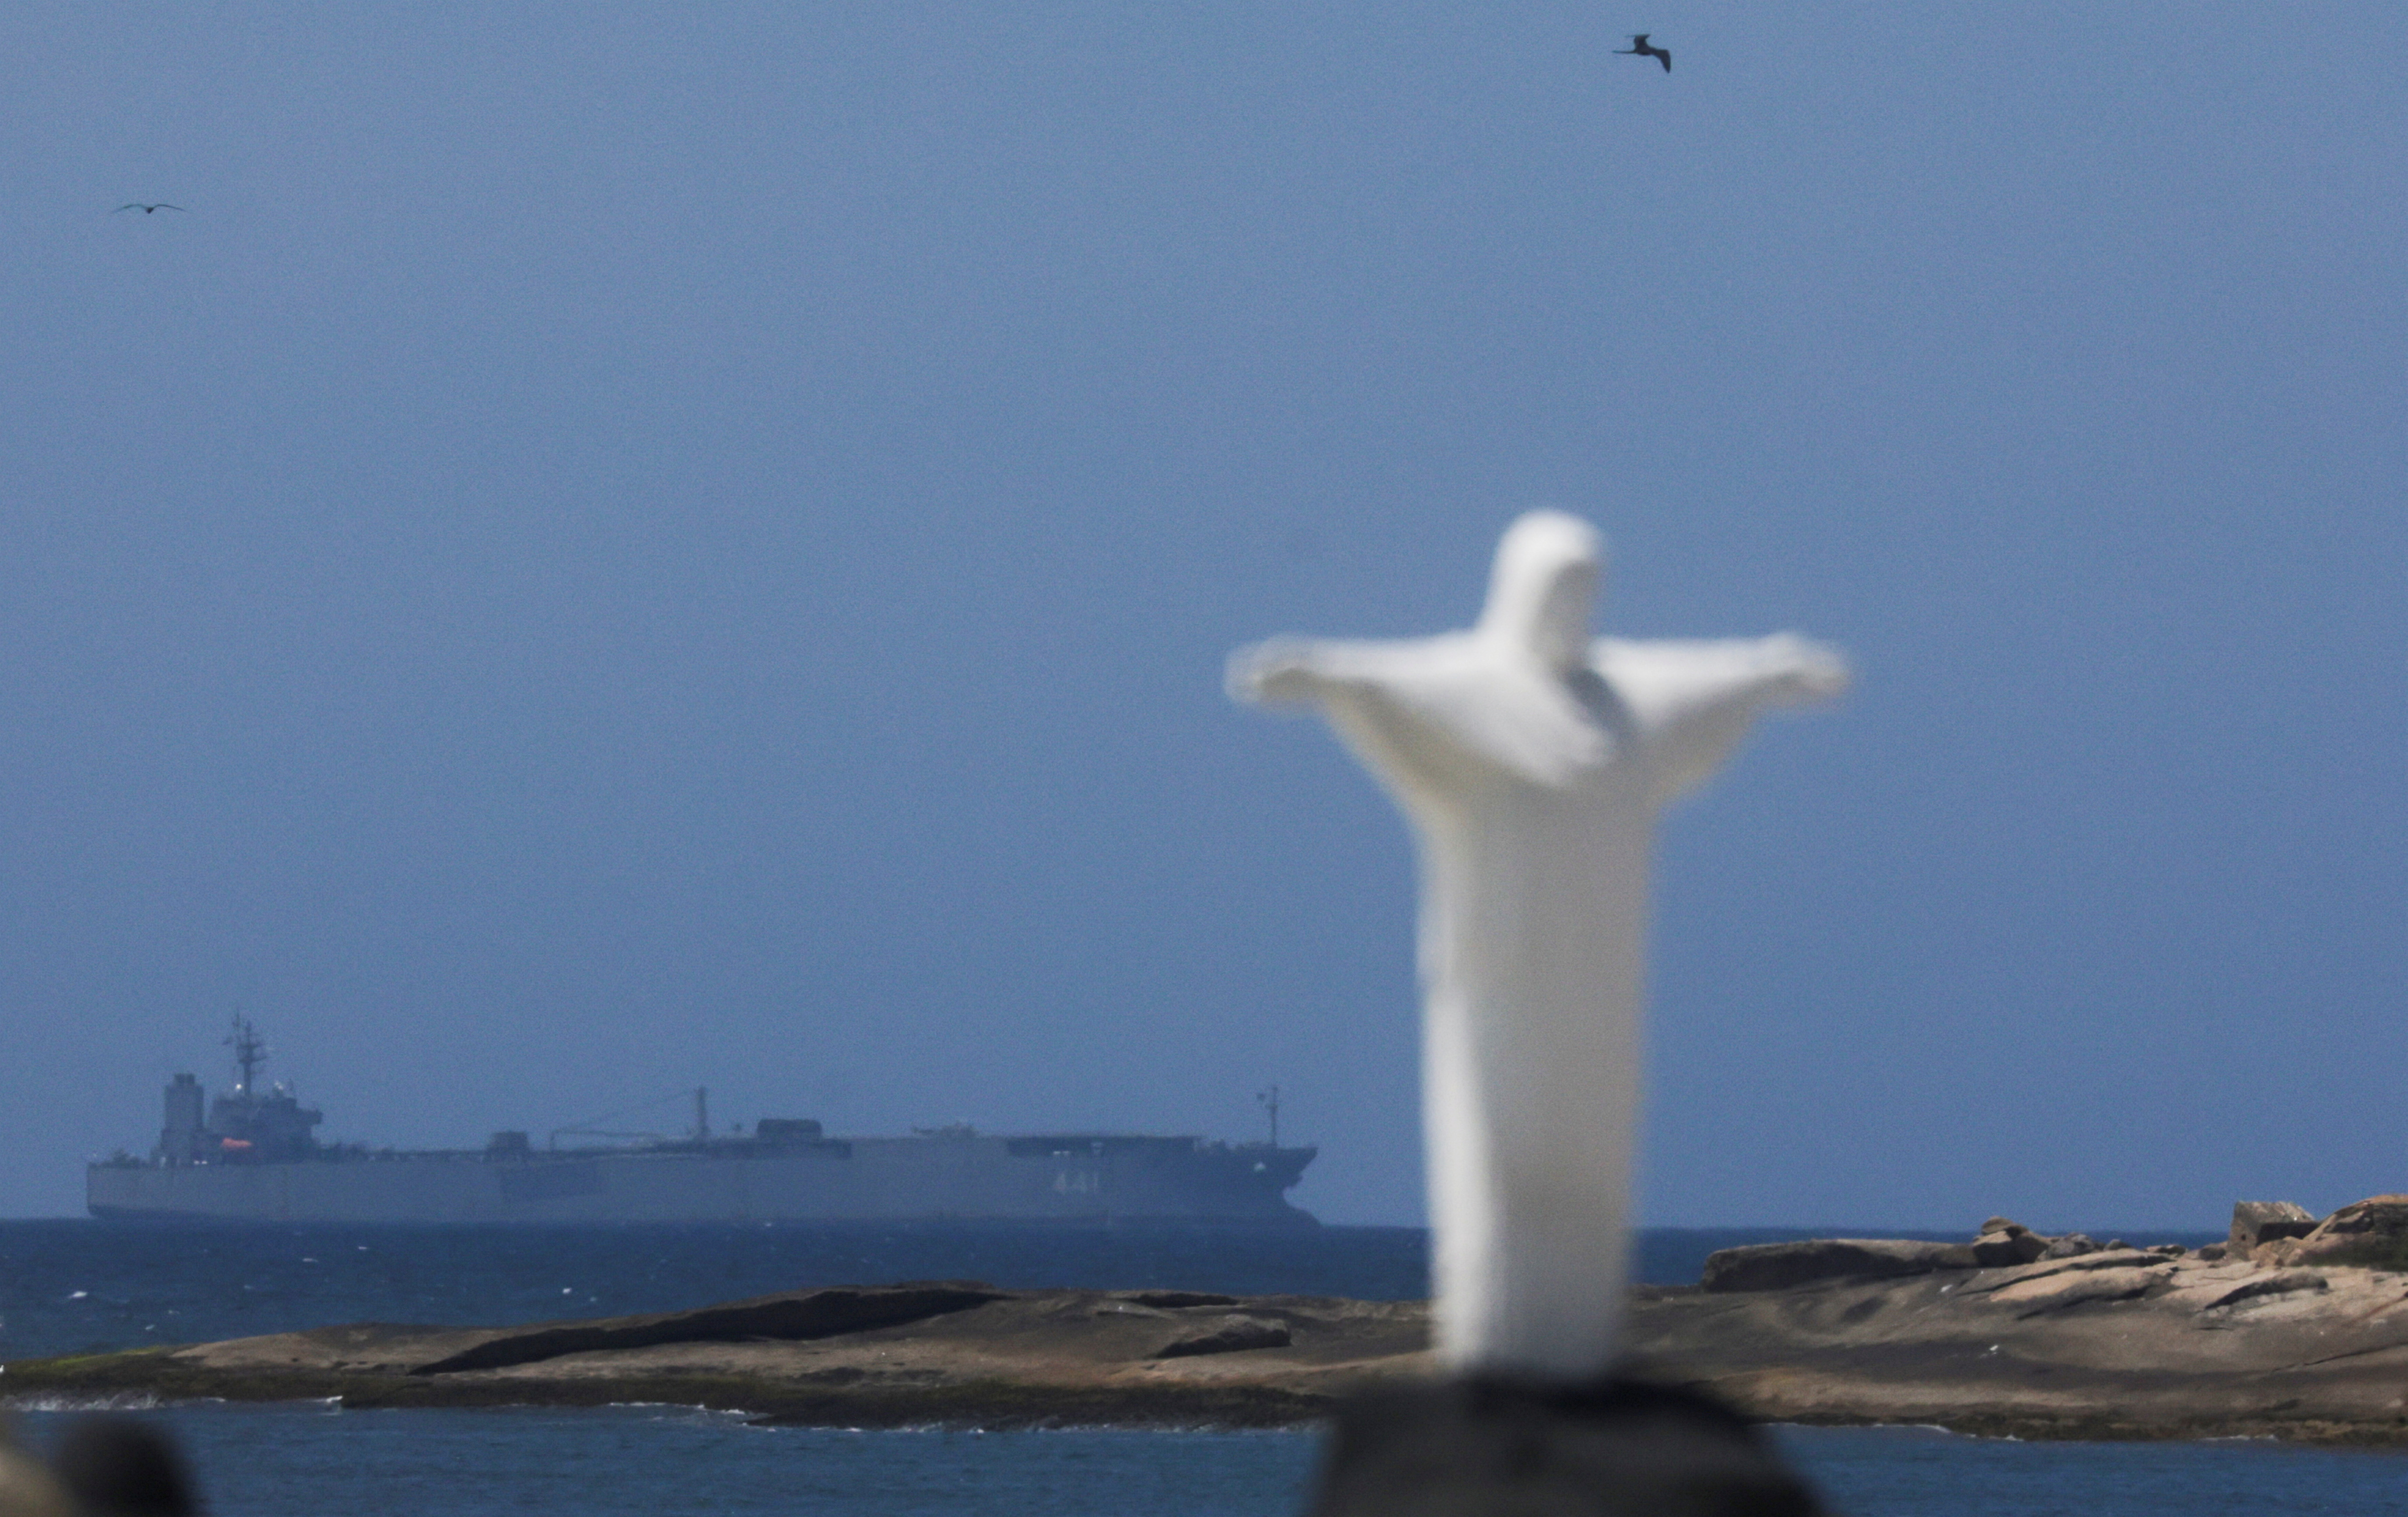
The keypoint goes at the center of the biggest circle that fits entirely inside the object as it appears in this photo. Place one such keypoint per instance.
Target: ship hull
(861, 1180)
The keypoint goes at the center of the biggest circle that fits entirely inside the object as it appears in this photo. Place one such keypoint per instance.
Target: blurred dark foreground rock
(122, 1466)
(105, 1466)
(1485, 1448)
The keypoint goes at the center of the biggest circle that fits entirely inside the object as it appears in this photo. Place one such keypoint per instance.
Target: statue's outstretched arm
(1306, 671)
(1692, 702)
(1433, 712)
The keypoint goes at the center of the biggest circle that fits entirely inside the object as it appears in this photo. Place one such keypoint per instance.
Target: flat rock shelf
(2118, 1343)
(937, 1352)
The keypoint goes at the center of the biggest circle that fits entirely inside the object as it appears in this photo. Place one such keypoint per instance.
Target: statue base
(1497, 1448)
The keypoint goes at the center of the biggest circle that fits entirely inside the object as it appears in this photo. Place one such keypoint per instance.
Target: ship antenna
(1268, 1100)
(248, 1052)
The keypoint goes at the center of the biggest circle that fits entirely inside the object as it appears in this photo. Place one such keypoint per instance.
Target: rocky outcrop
(2107, 1342)
(1231, 1335)
(2267, 1222)
(1779, 1267)
(1175, 1300)
(2001, 1244)
(2369, 1234)
(2116, 1343)
(866, 1356)
(794, 1316)
(2272, 1283)
(2012, 1243)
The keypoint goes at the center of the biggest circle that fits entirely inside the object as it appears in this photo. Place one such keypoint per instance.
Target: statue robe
(1531, 761)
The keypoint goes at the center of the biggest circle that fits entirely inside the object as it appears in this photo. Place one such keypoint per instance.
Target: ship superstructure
(241, 1125)
(257, 1156)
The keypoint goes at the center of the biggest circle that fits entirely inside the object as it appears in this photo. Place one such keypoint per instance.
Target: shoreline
(953, 1353)
(2117, 1345)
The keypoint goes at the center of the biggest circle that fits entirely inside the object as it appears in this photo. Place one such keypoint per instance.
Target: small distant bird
(1639, 48)
(136, 205)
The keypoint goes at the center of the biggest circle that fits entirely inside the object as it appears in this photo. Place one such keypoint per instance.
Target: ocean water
(655, 1461)
(69, 1286)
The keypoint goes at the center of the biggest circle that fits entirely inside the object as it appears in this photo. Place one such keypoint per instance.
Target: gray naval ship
(256, 1157)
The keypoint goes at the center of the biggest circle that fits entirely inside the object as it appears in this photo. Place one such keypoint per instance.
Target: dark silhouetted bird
(136, 205)
(1639, 48)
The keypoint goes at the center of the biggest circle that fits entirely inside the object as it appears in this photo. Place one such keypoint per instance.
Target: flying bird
(1640, 48)
(136, 205)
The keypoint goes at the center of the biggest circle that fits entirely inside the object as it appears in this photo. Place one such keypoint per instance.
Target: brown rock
(2372, 1233)
(793, 1316)
(2279, 1254)
(1173, 1300)
(1230, 1335)
(1772, 1266)
(1992, 1250)
(2105, 1259)
(2110, 1345)
(2278, 1283)
(2264, 1222)
(2070, 1246)
(2057, 1350)
(1023, 1359)
(2002, 1224)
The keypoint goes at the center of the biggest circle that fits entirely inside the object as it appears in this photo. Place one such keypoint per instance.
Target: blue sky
(611, 549)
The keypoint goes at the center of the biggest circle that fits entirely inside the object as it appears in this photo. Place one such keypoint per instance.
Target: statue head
(1540, 593)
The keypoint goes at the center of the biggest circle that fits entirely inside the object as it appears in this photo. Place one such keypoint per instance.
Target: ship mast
(250, 1053)
(1270, 1102)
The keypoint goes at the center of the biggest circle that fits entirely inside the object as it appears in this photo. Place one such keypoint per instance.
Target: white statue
(1531, 761)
